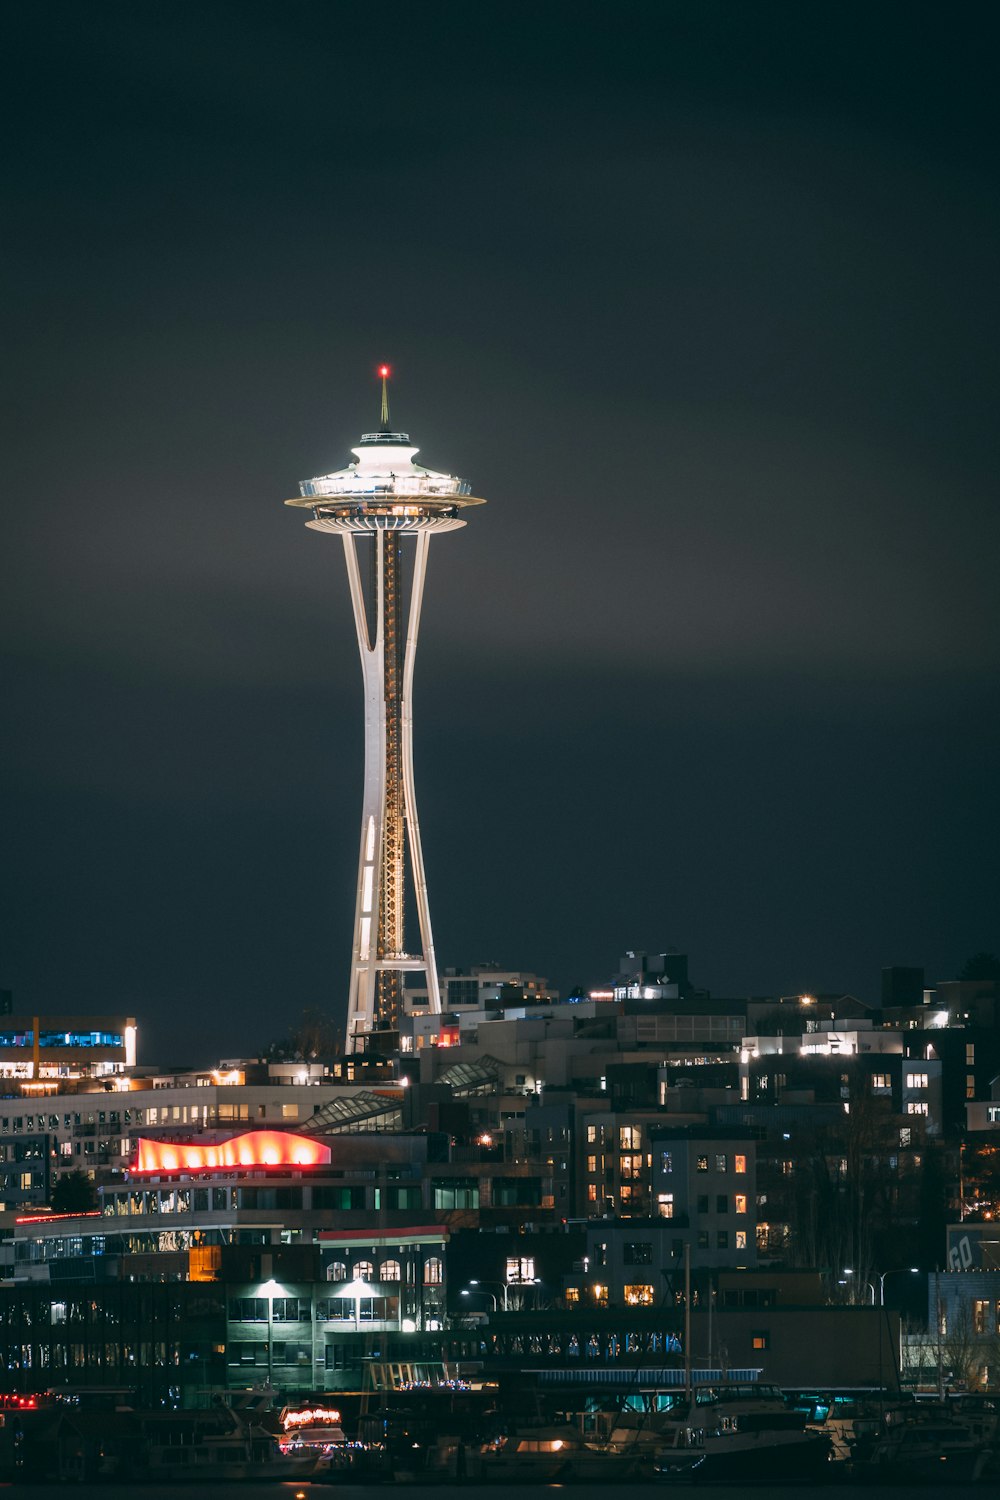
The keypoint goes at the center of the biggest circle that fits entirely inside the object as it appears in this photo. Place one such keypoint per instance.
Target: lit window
(916, 1080)
(981, 1315)
(665, 1205)
(572, 1295)
(433, 1271)
(918, 1107)
(741, 1203)
(741, 1239)
(666, 1161)
(639, 1294)
(591, 1163)
(701, 1164)
(760, 1340)
(739, 1164)
(591, 1134)
(520, 1268)
(591, 1192)
(364, 1271)
(721, 1161)
(630, 1137)
(391, 1271)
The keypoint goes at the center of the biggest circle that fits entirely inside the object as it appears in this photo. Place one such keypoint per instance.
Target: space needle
(376, 505)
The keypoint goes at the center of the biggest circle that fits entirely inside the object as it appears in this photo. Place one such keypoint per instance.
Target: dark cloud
(701, 298)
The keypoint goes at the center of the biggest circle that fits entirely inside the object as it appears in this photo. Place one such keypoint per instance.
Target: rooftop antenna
(384, 373)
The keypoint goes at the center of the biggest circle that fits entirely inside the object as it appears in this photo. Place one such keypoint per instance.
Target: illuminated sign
(257, 1148)
(315, 1416)
(85, 1213)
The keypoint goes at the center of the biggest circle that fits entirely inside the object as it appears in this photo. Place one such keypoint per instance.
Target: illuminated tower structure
(377, 504)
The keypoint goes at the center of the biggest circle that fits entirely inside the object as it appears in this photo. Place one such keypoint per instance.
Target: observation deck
(384, 490)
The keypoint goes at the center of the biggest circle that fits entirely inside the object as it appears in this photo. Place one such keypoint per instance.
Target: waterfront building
(287, 1254)
(961, 1347)
(93, 1125)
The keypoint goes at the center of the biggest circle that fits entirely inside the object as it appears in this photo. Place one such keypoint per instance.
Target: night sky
(701, 297)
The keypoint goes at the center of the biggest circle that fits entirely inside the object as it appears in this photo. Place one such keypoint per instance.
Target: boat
(932, 1450)
(745, 1435)
(556, 1453)
(198, 1447)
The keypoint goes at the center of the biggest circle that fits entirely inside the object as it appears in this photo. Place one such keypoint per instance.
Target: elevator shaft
(391, 907)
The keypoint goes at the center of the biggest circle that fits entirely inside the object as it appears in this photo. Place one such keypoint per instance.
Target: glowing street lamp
(506, 1286)
(358, 1289)
(848, 1271)
(896, 1271)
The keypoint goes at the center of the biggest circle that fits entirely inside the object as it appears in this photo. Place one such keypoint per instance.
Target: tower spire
(380, 505)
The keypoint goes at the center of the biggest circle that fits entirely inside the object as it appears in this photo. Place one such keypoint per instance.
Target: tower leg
(390, 832)
(364, 955)
(413, 826)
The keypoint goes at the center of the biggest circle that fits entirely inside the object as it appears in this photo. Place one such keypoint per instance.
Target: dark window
(338, 1197)
(291, 1354)
(721, 1203)
(508, 1192)
(703, 1203)
(270, 1197)
(291, 1310)
(248, 1309)
(638, 1253)
(246, 1354)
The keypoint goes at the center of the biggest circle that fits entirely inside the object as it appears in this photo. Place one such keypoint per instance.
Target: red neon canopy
(256, 1148)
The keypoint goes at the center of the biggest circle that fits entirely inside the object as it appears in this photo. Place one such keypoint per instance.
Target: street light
(358, 1289)
(896, 1271)
(466, 1293)
(849, 1272)
(506, 1286)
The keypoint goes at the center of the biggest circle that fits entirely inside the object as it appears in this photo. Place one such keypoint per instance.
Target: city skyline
(704, 301)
